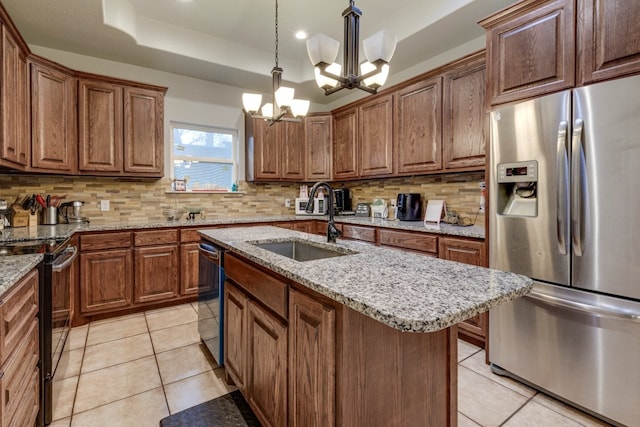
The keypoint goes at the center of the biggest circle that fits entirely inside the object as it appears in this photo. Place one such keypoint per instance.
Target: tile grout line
(84, 350)
(518, 410)
(155, 357)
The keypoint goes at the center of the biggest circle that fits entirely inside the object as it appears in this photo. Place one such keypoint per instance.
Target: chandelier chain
(276, 33)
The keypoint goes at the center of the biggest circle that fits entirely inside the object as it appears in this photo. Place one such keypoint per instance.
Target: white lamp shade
(251, 101)
(324, 81)
(322, 48)
(267, 110)
(284, 96)
(381, 45)
(377, 79)
(300, 107)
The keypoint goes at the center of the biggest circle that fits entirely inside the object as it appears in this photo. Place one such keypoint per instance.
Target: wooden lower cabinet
(156, 273)
(19, 360)
(106, 279)
(471, 252)
(235, 331)
(189, 264)
(312, 359)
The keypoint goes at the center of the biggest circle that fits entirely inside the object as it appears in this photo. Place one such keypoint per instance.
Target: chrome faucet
(332, 231)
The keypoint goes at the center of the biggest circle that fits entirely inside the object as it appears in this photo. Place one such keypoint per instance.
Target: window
(205, 156)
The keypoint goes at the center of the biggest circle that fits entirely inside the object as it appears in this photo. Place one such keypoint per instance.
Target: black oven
(54, 301)
(211, 299)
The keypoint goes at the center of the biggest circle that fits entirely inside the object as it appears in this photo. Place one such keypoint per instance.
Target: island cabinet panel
(235, 334)
(608, 39)
(267, 366)
(53, 119)
(15, 142)
(418, 127)
(471, 252)
(156, 273)
(530, 50)
(376, 137)
(345, 144)
(293, 152)
(395, 378)
(464, 117)
(106, 279)
(318, 136)
(99, 126)
(143, 131)
(312, 336)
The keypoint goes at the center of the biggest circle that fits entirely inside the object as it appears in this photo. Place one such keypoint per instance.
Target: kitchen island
(364, 339)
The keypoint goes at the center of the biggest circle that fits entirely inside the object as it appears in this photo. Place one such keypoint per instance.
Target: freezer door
(536, 246)
(578, 345)
(605, 194)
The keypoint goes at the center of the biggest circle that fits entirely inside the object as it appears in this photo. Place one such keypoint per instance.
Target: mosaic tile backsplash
(135, 200)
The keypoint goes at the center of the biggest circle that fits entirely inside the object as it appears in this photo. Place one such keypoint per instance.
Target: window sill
(206, 192)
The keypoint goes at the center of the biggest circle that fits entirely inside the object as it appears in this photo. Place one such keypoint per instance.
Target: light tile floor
(135, 370)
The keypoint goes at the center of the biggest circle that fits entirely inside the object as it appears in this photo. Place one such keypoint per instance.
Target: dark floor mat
(230, 410)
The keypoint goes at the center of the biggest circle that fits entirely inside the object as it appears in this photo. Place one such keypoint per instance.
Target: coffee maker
(342, 201)
(409, 207)
(70, 212)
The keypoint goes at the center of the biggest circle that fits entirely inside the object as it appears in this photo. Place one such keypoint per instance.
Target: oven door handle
(69, 255)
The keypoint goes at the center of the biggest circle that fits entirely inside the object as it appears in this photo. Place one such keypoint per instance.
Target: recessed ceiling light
(301, 35)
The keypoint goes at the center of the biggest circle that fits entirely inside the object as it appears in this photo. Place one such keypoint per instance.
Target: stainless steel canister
(50, 216)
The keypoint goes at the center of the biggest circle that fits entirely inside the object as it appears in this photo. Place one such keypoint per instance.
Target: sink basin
(300, 251)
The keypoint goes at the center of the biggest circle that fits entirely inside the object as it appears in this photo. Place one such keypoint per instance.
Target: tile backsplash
(137, 200)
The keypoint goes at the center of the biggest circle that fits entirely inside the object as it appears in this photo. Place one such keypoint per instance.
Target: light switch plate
(104, 205)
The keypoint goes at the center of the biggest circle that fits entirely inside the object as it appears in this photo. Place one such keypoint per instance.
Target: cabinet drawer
(367, 234)
(93, 242)
(18, 371)
(18, 311)
(155, 237)
(265, 288)
(192, 235)
(406, 240)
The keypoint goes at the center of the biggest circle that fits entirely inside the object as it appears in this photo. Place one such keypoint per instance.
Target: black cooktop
(26, 247)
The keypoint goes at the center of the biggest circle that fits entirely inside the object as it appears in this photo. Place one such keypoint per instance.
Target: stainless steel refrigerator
(565, 211)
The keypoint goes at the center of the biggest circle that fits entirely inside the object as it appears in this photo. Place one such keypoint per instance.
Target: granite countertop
(404, 290)
(14, 268)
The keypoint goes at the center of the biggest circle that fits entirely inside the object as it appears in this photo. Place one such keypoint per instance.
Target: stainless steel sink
(300, 251)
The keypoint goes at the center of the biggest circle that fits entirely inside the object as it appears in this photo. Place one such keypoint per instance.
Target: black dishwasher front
(211, 299)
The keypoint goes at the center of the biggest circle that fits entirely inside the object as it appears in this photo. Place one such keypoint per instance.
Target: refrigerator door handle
(593, 310)
(576, 187)
(562, 202)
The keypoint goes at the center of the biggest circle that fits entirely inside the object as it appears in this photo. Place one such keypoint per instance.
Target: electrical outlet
(104, 205)
(287, 203)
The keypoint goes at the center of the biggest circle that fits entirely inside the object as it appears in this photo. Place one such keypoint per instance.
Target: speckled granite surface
(404, 290)
(13, 268)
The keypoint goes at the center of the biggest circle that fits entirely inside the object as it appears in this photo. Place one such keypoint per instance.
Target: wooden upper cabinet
(376, 137)
(266, 151)
(464, 117)
(608, 39)
(143, 131)
(99, 126)
(53, 119)
(293, 152)
(530, 49)
(15, 144)
(345, 144)
(318, 134)
(418, 127)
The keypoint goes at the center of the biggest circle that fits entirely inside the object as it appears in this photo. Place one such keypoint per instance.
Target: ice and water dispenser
(518, 189)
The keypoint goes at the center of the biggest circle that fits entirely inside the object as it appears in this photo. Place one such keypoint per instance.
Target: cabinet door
(15, 143)
(311, 362)
(156, 273)
(345, 144)
(53, 119)
(418, 127)
(189, 264)
(235, 334)
(608, 39)
(464, 118)
(267, 366)
(99, 126)
(106, 280)
(293, 152)
(318, 136)
(266, 149)
(143, 131)
(531, 50)
(376, 137)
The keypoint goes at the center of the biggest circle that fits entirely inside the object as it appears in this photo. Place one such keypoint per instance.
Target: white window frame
(212, 129)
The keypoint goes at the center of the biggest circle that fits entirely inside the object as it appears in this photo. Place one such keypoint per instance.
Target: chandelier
(378, 49)
(283, 101)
